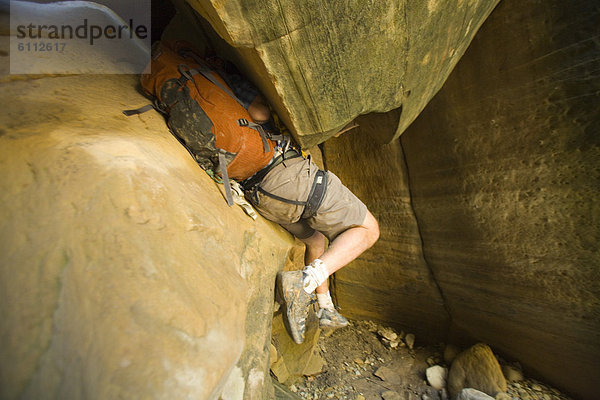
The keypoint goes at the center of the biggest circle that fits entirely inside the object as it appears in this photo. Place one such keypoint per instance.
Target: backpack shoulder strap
(156, 105)
(207, 73)
(140, 110)
(226, 184)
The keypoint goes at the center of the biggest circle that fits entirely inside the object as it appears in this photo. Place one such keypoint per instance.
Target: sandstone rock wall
(322, 64)
(124, 274)
(504, 175)
(391, 282)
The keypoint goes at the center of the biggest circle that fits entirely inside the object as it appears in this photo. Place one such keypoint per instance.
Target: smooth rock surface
(124, 273)
(476, 368)
(296, 360)
(324, 64)
(503, 165)
(391, 282)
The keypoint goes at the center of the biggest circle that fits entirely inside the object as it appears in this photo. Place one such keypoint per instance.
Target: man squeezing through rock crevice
(340, 217)
(208, 105)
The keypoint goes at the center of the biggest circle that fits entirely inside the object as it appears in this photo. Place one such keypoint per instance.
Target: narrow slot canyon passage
(470, 130)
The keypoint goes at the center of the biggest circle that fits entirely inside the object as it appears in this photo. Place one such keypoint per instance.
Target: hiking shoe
(296, 303)
(331, 319)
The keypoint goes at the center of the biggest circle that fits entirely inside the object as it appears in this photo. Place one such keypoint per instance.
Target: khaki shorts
(292, 179)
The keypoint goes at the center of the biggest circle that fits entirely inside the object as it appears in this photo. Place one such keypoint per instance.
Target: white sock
(315, 274)
(325, 301)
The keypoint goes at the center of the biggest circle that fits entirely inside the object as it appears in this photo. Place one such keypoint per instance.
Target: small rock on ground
(472, 394)
(436, 376)
(391, 395)
(358, 348)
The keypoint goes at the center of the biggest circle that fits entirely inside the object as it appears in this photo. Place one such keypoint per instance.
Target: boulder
(476, 368)
(320, 79)
(436, 376)
(126, 273)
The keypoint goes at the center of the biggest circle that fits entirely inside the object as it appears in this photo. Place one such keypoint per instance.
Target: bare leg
(345, 248)
(315, 247)
(350, 244)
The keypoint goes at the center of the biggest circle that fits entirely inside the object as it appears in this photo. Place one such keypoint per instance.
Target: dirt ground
(361, 367)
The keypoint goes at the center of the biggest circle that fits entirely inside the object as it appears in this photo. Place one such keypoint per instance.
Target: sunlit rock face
(504, 175)
(124, 273)
(324, 64)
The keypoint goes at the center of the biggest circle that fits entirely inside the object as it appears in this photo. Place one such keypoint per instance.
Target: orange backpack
(202, 111)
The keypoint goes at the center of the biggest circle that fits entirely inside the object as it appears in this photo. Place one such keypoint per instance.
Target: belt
(257, 178)
(316, 195)
(312, 203)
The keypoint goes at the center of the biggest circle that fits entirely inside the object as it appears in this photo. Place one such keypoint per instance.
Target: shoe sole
(296, 337)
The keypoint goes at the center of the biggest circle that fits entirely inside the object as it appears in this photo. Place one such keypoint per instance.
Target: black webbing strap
(187, 74)
(315, 197)
(207, 73)
(225, 176)
(140, 110)
(283, 199)
(259, 129)
(255, 179)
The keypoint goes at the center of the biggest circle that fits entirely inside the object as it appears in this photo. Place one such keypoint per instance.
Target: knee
(316, 242)
(372, 227)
